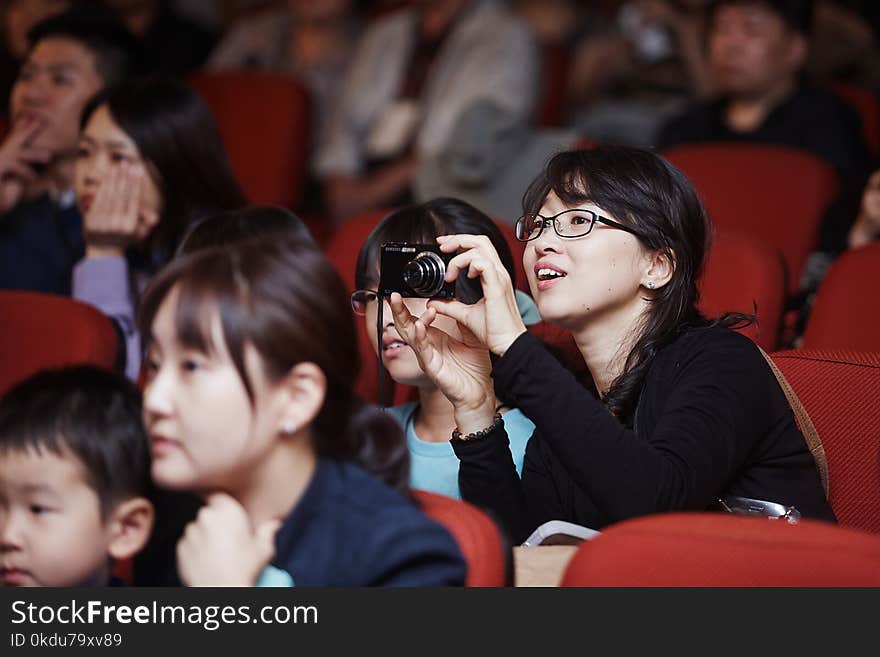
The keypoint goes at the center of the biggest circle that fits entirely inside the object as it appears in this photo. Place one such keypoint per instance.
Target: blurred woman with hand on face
(150, 164)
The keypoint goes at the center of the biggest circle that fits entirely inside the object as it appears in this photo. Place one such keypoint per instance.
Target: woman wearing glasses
(428, 422)
(683, 410)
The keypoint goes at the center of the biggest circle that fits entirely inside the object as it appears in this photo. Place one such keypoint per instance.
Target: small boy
(74, 478)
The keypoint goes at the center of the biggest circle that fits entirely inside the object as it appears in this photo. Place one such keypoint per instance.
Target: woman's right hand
(494, 320)
(17, 158)
(867, 225)
(461, 369)
(221, 548)
(114, 220)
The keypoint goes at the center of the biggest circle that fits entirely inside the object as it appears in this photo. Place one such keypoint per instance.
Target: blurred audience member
(626, 81)
(174, 45)
(757, 50)
(312, 41)
(71, 57)
(150, 165)
(17, 18)
(414, 71)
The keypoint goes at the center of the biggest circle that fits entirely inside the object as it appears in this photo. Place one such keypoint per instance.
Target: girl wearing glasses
(429, 421)
(681, 410)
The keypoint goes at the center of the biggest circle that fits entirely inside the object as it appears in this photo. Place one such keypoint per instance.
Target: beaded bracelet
(497, 421)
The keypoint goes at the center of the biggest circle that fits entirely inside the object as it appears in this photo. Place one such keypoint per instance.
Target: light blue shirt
(434, 466)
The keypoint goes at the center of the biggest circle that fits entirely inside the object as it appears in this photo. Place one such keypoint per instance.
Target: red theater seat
(39, 331)
(846, 313)
(841, 393)
(866, 103)
(715, 549)
(480, 541)
(773, 194)
(264, 121)
(747, 276)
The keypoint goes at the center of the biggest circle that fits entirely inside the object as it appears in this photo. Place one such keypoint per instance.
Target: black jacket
(350, 529)
(711, 420)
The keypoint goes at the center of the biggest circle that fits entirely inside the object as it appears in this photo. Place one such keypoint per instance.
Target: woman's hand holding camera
(221, 548)
(494, 319)
(114, 220)
(461, 368)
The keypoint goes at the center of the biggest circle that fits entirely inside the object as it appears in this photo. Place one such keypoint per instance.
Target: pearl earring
(288, 427)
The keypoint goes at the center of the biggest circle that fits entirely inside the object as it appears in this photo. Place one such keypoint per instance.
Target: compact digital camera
(414, 270)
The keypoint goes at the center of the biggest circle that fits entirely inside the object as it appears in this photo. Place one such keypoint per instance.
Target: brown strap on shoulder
(805, 424)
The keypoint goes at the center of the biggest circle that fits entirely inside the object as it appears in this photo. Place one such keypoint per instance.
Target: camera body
(414, 270)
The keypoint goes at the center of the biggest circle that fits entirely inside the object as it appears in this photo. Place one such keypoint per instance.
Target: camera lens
(425, 273)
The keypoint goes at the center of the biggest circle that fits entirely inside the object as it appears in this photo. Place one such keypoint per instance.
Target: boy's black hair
(86, 411)
(796, 14)
(116, 51)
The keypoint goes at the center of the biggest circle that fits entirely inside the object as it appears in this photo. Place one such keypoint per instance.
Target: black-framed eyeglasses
(360, 299)
(566, 224)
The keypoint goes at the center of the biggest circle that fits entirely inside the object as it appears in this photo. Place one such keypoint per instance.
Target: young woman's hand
(459, 368)
(114, 220)
(17, 158)
(221, 548)
(867, 225)
(494, 319)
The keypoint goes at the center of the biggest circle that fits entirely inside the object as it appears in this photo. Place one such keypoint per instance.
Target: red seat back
(264, 120)
(839, 390)
(846, 312)
(39, 331)
(478, 537)
(773, 194)
(865, 102)
(747, 276)
(715, 549)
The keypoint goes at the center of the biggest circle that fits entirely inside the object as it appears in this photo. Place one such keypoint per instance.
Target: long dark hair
(177, 137)
(423, 223)
(642, 190)
(285, 299)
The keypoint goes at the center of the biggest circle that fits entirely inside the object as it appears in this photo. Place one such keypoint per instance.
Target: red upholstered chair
(487, 556)
(771, 193)
(715, 549)
(866, 103)
(846, 313)
(264, 120)
(555, 63)
(841, 393)
(743, 274)
(39, 331)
